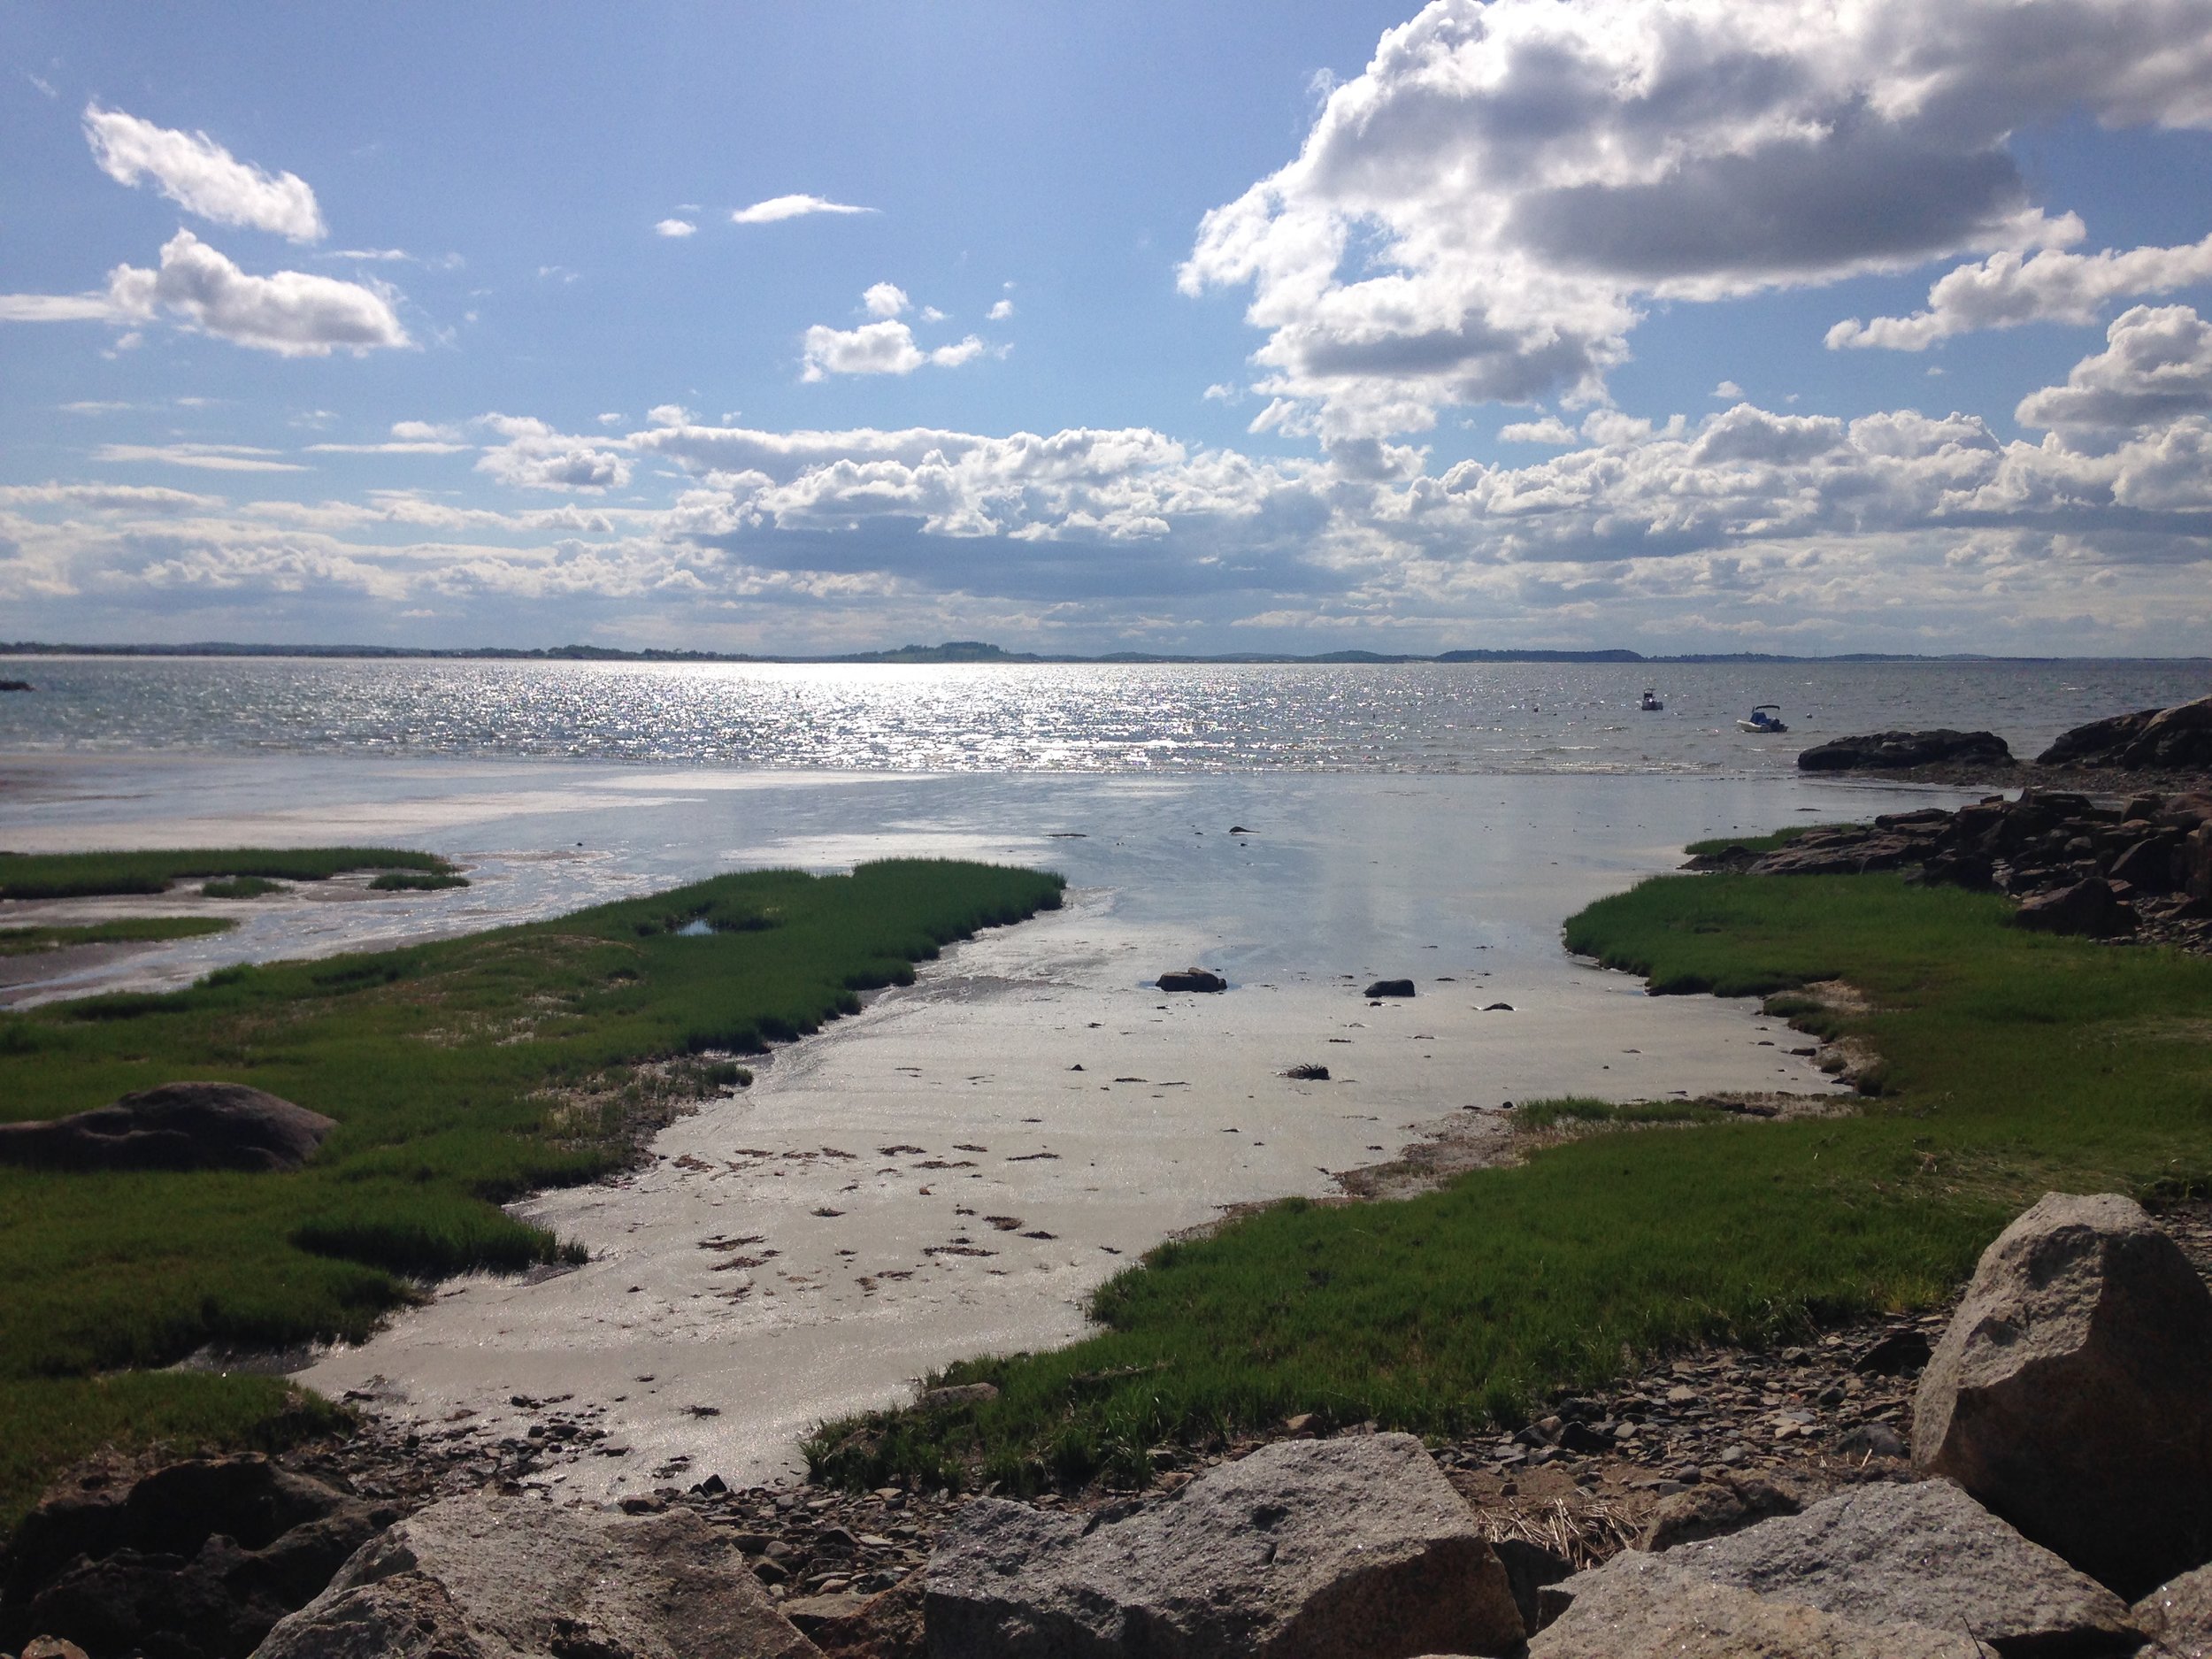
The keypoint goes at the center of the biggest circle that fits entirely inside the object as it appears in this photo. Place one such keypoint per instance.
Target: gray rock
(1643, 1607)
(2068, 1392)
(177, 1126)
(973, 1394)
(2179, 738)
(1389, 988)
(492, 1578)
(1711, 1507)
(1351, 1548)
(1922, 1554)
(2177, 1616)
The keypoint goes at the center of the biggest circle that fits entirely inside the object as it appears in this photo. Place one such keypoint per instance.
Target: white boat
(1650, 703)
(1766, 717)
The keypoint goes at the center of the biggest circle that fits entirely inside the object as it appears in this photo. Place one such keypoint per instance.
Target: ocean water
(1454, 718)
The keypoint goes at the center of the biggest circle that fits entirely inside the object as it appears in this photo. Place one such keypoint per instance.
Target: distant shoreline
(978, 652)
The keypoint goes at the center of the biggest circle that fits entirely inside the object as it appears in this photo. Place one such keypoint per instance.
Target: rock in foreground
(199, 1558)
(1355, 1548)
(177, 1126)
(1925, 1553)
(1640, 1606)
(491, 1578)
(2069, 1393)
(1894, 751)
(2177, 1616)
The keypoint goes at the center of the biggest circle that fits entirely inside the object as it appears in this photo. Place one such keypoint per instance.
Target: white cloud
(884, 348)
(885, 299)
(397, 446)
(424, 432)
(669, 415)
(55, 308)
(782, 207)
(536, 457)
(1728, 391)
(1550, 429)
(2156, 366)
(292, 313)
(675, 228)
(213, 458)
(1481, 214)
(201, 177)
(931, 314)
(1000, 312)
(2006, 290)
(613, 417)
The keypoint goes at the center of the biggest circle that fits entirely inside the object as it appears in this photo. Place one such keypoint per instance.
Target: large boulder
(2178, 739)
(198, 1558)
(1644, 1606)
(2177, 1616)
(1920, 1554)
(1355, 1548)
(491, 1578)
(2072, 1392)
(2090, 909)
(1892, 751)
(176, 1127)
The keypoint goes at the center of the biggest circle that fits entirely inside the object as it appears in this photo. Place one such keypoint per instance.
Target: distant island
(977, 651)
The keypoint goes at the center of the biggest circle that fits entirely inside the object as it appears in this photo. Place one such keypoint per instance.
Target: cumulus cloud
(201, 177)
(292, 313)
(2156, 366)
(536, 457)
(885, 299)
(1000, 312)
(2007, 289)
(1480, 215)
(1550, 429)
(782, 207)
(884, 348)
(675, 228)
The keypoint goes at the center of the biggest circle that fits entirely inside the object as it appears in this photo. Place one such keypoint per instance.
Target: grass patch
(462, 1072)
(242, 887)
(1576, 1111)
(2016, 1063)
(415, 881)
(85, 875)
(18, 941)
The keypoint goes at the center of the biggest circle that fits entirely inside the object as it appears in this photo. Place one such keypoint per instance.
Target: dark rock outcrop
(2070, 1391)
(199, 1558)
(1894, 751)
(2178, 739)
(1353, 1547)
(1389, 988)
(2089, 909)
(1924, 1554)
(492, 1578)
(1193, 980)
(176, 1127)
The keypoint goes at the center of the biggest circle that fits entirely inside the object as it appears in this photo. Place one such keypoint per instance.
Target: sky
(1676, 325)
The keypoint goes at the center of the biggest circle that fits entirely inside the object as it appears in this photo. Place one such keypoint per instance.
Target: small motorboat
(1766, 717)
(1650, 704)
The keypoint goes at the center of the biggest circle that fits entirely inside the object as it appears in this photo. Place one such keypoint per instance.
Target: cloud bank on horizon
(1457, 266)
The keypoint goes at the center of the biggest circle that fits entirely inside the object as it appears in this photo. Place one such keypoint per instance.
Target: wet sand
(933, 1178)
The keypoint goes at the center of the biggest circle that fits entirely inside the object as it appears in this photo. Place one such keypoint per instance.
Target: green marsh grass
(2016, 1063)
(461, 1073)
(85, 875)
(16, 941)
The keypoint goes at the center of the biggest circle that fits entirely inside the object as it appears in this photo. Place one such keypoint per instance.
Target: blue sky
(1546, 322)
